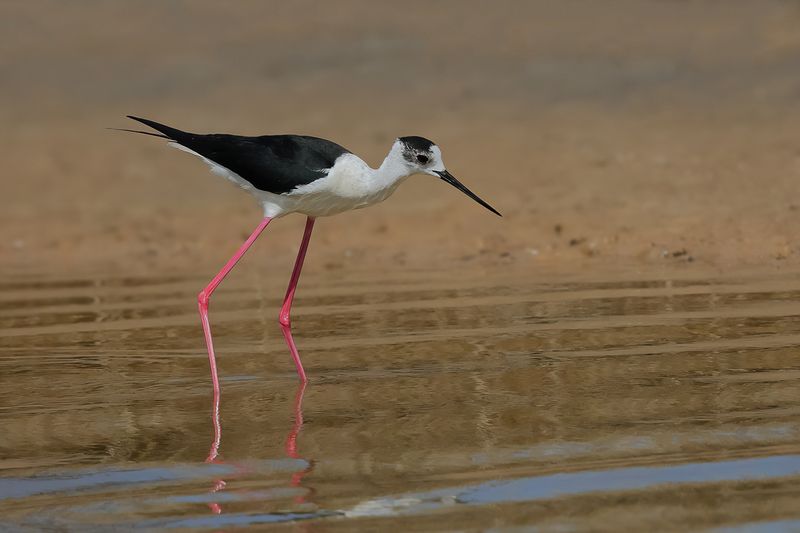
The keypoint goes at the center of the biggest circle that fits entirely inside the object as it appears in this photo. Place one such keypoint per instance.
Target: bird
(299, 174)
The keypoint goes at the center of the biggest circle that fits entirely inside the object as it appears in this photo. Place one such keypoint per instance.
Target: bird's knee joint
(285, 320)
(203, 298)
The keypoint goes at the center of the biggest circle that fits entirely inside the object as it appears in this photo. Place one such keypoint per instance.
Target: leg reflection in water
(291, 443)
(290, 447)
(213, 452)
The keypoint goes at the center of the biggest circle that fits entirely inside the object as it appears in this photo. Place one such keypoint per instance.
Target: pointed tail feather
(142, 132)
(168, 132)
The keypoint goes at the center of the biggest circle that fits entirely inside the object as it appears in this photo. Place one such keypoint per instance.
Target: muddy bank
(614, 142)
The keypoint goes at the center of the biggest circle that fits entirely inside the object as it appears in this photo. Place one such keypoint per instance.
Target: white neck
(352, 177)
(393, 169)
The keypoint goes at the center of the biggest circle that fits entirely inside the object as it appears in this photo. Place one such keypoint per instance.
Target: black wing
(272, 163)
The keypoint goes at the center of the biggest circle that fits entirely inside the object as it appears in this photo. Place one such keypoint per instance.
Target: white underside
(349, 184)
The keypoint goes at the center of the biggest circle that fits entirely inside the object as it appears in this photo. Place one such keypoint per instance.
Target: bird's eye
(422, 158)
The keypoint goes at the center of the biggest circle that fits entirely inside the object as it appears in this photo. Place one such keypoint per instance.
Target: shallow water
(434, 403)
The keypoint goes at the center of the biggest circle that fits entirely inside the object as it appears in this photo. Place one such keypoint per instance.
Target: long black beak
(449, 178)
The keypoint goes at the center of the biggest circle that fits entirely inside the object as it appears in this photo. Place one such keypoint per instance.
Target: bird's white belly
(347, 186)
(327, 202)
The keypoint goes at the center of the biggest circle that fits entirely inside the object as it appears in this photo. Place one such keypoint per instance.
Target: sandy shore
(604, 141)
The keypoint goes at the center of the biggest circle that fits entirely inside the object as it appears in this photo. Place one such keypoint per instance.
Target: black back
(272, 163)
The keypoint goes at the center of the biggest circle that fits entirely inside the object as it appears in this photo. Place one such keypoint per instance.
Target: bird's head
(422, 156)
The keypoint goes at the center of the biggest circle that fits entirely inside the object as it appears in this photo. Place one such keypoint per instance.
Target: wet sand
(603, 139)
(618, 352)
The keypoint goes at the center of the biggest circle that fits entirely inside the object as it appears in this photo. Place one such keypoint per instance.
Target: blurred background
(632, 131)
(646, 132)
(618, 351)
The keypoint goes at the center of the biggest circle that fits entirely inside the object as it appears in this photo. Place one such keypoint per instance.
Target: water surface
(434, 403)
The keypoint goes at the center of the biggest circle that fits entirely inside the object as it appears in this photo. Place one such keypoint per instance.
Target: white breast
(349, 184)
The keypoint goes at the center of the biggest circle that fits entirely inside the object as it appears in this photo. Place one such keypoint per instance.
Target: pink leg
(284, 318)
(205, 295)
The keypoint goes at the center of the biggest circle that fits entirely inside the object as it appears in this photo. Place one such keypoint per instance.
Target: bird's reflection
(291, 442)
(214, 451)
(290, 447)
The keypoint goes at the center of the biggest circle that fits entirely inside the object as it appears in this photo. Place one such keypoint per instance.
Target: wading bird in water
(300, 174)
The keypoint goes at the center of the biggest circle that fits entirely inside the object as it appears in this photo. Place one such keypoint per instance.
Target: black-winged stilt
(300, 174)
